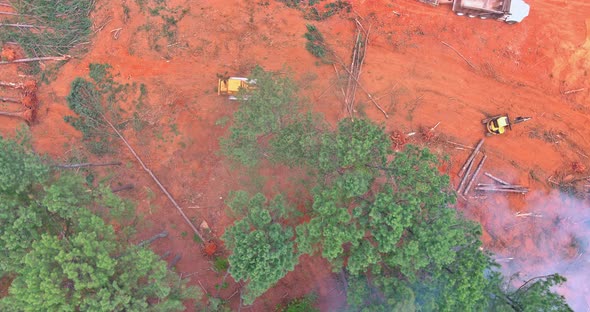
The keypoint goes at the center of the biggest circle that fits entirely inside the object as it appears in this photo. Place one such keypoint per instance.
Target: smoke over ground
(539, 234)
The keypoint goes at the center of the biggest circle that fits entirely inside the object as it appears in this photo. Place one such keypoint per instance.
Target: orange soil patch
(522, 69)
(8, 54)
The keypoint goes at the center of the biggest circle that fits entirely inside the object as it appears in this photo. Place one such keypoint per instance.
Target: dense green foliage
(21, 177)
(263, 112)
(535, 295)
(95, 273)
(298, 143)
(263, 250)
(62, 255)
(384, 219)
(304, 304)
(315, 42)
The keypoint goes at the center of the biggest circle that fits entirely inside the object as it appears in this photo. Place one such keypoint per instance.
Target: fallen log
(122, 188)
(9, 99)
(470, 159)
(15, 85)
(479, 166)
(165, 255)
(35, 59)
(174, 261)
(360, 58)
(81, 165)
(21, 26)
(153, 238)
(496, 179)
(342, 90)
(160, 185)
(351, 74)
(510, 186)
(460, 187)
(27, 115)
(489, 189)
(460, 145)
(366, 92)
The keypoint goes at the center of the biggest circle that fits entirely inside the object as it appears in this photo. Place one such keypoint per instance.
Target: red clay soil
(8, 54)
(526, 69)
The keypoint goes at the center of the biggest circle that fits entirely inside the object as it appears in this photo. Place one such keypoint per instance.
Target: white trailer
(509, 11)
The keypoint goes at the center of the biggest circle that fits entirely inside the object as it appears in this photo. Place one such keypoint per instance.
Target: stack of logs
(28, 100)
(359, 51)
(499, 186)
(466, 170)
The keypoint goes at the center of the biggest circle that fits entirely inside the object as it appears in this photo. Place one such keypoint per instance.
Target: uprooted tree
(386, 220)
(62, 256)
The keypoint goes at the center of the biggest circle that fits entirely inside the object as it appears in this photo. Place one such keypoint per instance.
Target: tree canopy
(384, 219)
(62, 255)
(264, 111)
(263, 249)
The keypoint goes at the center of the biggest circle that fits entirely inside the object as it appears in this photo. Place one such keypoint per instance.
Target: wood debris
(502, 188)
(358, 57)
(465, 171)
(496, 179)
(359, 52)
(481, 162)
(471, 157)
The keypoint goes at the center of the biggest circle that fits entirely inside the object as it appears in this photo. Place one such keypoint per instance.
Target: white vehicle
(509, 11)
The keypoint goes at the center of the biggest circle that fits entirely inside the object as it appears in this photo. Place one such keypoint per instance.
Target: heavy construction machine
(232, 85)
(498, 124)
(509, 11)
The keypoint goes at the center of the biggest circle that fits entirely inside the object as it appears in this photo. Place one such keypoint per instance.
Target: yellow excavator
(231, 86)
(498, 124)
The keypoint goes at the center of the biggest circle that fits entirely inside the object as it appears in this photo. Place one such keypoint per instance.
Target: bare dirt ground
(523, 70)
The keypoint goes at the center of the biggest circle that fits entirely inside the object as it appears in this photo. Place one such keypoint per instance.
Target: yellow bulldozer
(498, 124)
(232, 85)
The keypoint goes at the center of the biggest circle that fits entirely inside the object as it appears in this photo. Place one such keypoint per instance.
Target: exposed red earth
(528, 69)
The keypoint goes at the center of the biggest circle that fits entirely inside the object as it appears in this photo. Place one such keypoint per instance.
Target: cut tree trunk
(481, 162)
(22, 26)
(470, 159)
(160, 185)
(496, 179)
(175, 261)
(74, 166)
(153, 239)
(8, 99)
(35, 59)
(465, 176)
(15, 85)
(122, 188)
(27, 115)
